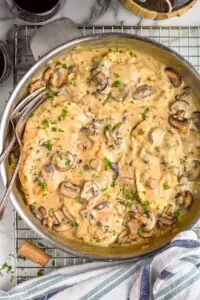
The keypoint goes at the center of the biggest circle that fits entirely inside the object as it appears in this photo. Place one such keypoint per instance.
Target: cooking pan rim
(44, 59)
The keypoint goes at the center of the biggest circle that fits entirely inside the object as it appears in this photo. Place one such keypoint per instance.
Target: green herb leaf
(166, 186)
(113, 184)
(132, 54)
(45, 123)
(75, 225)
(63, 115)
(116, 84)
(144, 114)
(43, 185)
(64, 66)
(140, 230)
(53, 263)
(48, 145)
(49, 94)
(177, 213)
(107, 163)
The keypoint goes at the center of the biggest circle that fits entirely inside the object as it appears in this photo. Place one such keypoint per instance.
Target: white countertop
(92, 12)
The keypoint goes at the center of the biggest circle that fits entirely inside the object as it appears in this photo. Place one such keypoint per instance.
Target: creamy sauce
(101, 160)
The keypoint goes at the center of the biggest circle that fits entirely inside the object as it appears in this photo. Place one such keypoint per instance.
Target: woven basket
(150, 14)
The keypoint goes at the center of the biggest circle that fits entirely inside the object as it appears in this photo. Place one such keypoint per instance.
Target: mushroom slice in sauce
(185, 199)
(120, 93)
(150, 222)
(196, 119)
(64, 161)
(94, 164)
(104, 89)
(179, 106)
(173, 77)
(43, 211)
(116, 170)
(133, 226)
(57, 79)
(59, 215)
(147, 234)
(69, 190)
(193, 170)
(156, 136)
(35, 212)
(100, 77)
(164, 221)
(143, 91)
(102, 205)
(178, 122)
(67, 214)
(47, 73)
(63, 226)
(35, 85)
(114, 135)
(90, 128)
(90, 190)
(184, 95)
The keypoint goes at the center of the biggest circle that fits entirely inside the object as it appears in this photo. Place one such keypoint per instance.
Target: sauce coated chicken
(112, 155)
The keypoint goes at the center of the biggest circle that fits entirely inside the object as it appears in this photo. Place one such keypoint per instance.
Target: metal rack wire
(184, 40)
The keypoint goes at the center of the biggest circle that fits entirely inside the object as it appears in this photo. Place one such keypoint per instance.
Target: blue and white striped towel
(174, 273)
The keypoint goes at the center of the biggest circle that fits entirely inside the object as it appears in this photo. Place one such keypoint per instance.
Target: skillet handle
(52, 35)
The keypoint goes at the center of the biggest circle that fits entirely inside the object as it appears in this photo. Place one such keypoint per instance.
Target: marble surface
(88, 12)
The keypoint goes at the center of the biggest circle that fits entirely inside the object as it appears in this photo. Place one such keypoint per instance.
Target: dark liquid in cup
(2, 64)
(36, 6)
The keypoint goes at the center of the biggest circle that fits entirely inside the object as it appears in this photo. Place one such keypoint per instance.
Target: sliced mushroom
(64, 161)
(86, 145)
(104, 89)
(143, 91)
(170, 209)
(127, 239)
(35, 85)
(94, 164)
(90, 128)
(67, 214)
(47, 73)
(114, 135)
(90, 216)
(185, 199)
(173, 77)
(179, 106)
(63, 227)
(178, 122)
(59, 215)
(164, 221)
(120, 93)
(156, 136)
(184, 95)
(69, 190)
(90, 190)
(43, 211)
(35, 212)
(49, 169)
(196, 119)
(147, 234)
(116, 170)
(102, 205)
(100, 78)
(57, 79)
(193, 170)
(133, 226)
(150, 222)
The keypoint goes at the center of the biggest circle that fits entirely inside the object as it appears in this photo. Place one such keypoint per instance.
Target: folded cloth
(173, 273)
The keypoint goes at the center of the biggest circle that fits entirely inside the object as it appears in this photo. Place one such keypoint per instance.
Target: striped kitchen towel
(174, 273)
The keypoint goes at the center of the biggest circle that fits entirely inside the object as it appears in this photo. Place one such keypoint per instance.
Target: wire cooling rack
(184, 40)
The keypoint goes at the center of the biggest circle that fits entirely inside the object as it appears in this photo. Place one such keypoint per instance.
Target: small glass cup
(36, 17)
(5, 63)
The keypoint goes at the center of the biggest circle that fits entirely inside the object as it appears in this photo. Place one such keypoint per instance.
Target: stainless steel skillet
(151, 48)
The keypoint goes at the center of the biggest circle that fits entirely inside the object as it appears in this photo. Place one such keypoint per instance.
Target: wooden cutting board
(158, 9)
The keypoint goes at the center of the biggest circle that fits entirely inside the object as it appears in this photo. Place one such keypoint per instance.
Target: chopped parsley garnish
(8, 269)
(116, 75)
(146, 205)
(21, 257)
(166, 186)
(48, 145)
(64, 66)
(67, 162)
(43, 185)
(63, 115)
(40, 272)
(72, 82)
(45, 122)
(80, 201)
(49, 94)
(141, 132)
(144, 114)
(104, 189)
(177, 213)
(140, 230)
(107, 163)
(116, 84)
(113, 184)
(75, 225)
